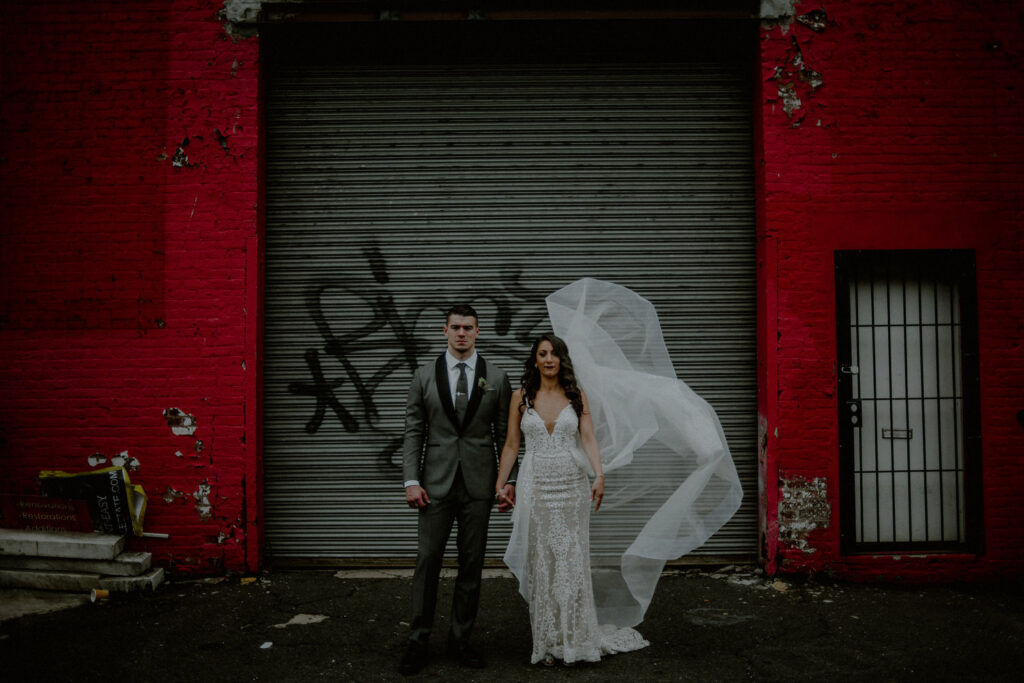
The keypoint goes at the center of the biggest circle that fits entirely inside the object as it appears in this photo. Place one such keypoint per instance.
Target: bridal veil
(670, 482)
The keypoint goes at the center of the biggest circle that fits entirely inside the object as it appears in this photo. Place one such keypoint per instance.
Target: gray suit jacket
(435, 446)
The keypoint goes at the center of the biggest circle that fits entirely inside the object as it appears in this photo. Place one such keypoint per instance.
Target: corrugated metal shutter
(394, 191)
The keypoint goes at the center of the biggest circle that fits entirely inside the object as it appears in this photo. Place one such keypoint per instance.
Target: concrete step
(125, 584)
(50, 581)
(125, 564)
(74, 581)
(67, 544)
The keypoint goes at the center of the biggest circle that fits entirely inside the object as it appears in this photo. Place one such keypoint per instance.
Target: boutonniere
(484, 386)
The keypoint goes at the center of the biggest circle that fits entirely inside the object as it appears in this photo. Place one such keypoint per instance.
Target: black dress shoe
(414, 659)
(467, 654)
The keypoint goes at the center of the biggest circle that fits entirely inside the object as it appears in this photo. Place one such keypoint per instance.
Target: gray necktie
(461, 393)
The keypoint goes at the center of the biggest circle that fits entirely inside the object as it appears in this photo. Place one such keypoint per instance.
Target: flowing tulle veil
(671, 482)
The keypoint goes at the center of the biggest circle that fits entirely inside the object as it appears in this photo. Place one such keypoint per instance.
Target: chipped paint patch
(202, 496)
(797, 82)
(171, 495)
(790, 100)
(181, 423)
(803, 508)
(303, 620)
(97, 459)
(126, 461)
(816, 20)
(180, 159)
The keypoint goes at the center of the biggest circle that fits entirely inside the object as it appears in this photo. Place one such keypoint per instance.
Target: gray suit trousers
(435, 526)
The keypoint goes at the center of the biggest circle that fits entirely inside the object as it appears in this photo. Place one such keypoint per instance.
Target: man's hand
(416, 496)
(506, 498)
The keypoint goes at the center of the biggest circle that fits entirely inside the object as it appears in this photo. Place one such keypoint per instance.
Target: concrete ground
(722, 625)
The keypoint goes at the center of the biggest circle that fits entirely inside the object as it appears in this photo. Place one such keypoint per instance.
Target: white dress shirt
(453, 379)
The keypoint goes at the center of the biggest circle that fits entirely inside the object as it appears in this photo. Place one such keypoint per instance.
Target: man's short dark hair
(464, 310)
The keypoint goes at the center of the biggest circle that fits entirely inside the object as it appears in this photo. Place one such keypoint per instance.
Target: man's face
(461, 331)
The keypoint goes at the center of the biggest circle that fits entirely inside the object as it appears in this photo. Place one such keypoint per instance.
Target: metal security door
(908, 397)
(396, 190)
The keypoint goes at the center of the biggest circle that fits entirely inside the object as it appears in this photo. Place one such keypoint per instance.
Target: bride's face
(547, 362)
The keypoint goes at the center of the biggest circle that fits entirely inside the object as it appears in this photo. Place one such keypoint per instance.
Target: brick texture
(887, 125)
(124, 263)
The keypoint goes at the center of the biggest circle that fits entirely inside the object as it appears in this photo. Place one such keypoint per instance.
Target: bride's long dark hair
(566, 376)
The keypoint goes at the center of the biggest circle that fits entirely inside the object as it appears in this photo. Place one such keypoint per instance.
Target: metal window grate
(908, 388)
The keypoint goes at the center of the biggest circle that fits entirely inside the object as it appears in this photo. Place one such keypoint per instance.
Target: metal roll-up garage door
(394, 191)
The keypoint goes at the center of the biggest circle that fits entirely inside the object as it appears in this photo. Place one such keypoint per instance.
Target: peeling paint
(180, 159)
(803, 508)
(97, 459)
(222, 139)
(793, 79)
(171, 495)
(181, 423)
(179, 454)
(202, 496)
(122, 459)
(816, 20)
(790, 100)
(805, 73)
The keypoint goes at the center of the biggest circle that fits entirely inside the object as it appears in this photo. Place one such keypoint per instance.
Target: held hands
(597, 492)
(506, 497)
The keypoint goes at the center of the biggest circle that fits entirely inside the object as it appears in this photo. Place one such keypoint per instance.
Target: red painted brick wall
(124, 267)
(907, 135)
(129, 272)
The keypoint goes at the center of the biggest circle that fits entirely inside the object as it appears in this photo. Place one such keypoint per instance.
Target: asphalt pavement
(723, 624)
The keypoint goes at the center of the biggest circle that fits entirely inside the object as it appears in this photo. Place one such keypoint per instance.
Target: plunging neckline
(551, 432)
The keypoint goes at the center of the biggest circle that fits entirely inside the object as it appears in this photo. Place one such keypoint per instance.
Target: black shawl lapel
(477, 394)
(444, 390)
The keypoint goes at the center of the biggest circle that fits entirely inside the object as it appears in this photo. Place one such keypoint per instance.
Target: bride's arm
(593, 451)
(510, 451)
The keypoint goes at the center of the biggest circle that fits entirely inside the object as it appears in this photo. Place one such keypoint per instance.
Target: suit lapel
(444, 390)
(477, 393)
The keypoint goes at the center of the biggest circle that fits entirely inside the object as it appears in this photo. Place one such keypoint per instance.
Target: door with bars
(908, 390)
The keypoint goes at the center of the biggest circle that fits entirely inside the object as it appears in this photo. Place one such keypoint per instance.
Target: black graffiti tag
(400, 347)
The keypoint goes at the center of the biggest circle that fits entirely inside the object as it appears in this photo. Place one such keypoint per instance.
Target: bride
(672, 482)
(552, 411)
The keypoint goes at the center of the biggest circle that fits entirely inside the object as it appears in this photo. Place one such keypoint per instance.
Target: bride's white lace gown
(555, 493)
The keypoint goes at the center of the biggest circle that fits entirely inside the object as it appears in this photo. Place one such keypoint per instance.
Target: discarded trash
(116, 506)
(246, 580)
(267, 645)
(780, 586)
(302, 620)
(98, 594)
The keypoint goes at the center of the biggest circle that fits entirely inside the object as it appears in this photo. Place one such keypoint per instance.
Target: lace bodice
(561, 437)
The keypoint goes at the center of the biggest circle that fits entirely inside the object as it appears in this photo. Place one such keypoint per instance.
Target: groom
(455, 422)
